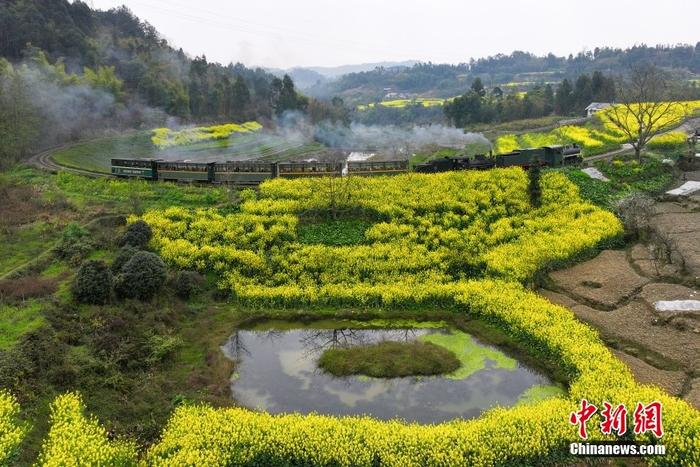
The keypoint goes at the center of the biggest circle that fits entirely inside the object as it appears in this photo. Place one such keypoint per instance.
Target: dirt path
(618, 293)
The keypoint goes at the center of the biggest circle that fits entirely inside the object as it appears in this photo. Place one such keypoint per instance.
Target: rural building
(595, 107)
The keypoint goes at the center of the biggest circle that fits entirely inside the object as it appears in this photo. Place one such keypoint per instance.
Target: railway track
(42, 160)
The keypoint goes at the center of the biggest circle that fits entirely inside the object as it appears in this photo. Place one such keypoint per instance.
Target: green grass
(17, 320)
(626, 177)
(96, 155)
(333, 232)
(24, 244)
(389, 359)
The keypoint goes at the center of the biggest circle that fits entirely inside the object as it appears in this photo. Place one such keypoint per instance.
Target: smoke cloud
(295, 127)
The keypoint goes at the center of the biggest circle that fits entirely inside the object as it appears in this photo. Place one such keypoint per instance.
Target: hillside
(517, 71)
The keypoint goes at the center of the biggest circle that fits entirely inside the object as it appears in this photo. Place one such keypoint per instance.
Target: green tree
(240, 99)
(141, 277)
(478, 87)
(93, 283)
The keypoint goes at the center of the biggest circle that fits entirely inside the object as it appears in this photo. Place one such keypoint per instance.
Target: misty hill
(311, 77)
(519, 71)
(151, 71)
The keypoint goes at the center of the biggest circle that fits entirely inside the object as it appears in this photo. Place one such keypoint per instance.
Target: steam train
(547, 156)
(252, 173)
(246, 173)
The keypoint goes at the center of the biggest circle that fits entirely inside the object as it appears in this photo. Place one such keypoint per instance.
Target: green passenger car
(179, 171)
(136, 168)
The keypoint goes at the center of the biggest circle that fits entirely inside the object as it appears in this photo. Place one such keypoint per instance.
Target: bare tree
(643, 108)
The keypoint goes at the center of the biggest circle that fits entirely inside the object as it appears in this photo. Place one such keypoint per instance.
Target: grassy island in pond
(389, 359)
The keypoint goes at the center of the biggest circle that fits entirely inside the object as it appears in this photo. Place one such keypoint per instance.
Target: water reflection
(277, 372)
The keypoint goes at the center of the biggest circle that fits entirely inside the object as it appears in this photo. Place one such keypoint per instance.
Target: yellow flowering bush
(12, 431)
(165, 137)
(76, 439)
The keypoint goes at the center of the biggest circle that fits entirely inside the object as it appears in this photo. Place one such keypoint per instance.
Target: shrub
(137, 234)
(123, 256)
(187, 283)
(141, 276)
(93, 283)
(635, 211)
(74, 244)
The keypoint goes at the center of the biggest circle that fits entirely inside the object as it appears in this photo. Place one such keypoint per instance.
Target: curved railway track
(42, 160)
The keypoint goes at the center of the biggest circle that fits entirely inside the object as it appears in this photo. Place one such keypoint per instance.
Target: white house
(595, 107)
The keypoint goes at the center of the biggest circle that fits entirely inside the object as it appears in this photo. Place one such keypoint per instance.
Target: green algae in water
(541, 392)
(471, 355)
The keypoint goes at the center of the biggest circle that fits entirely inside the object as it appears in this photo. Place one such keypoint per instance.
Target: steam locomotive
(252, 173)
(547, 156)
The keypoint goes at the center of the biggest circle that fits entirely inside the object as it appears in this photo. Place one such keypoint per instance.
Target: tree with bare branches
(644, 107)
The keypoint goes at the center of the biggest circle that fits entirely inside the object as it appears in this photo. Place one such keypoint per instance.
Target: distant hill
(517, 71)
(311, 77)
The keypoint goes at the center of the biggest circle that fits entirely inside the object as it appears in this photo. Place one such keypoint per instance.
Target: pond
(277, 372)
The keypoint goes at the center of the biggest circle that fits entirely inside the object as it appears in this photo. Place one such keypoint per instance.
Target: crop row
(165, 137)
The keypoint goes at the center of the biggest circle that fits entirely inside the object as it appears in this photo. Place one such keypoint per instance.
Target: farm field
(596, 137)
(95, 155)
(301, 249)
(399, 103)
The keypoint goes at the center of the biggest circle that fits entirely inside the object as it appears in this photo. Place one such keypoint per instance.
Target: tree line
(478, 105)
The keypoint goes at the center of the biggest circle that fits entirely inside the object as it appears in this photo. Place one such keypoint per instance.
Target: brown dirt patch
(693, 396)
(670, 381)
(604, 281)
(678, 229)
(23, 288)
(20, 205)
(635, 324)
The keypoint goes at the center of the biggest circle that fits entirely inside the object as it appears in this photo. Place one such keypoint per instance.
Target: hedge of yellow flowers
(77, 439)
(12, 431)
(673, 140)
(165, 137)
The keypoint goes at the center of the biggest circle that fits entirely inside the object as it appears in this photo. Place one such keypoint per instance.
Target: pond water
(277, 372)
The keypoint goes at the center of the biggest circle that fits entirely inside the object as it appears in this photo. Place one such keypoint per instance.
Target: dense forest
(67, 71)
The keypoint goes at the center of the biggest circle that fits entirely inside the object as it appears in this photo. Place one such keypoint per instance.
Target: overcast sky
(287, 33)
